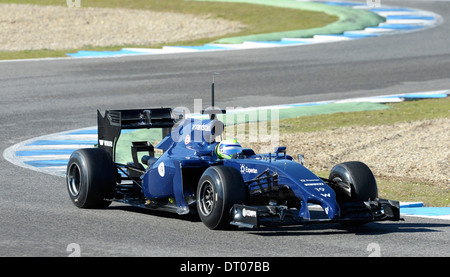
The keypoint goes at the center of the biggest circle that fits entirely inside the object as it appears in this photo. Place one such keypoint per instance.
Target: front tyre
(359, 179)
(219, 188)
(90, 178)
(357, 184)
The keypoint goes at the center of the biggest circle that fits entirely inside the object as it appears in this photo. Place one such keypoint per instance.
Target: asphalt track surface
(41, 97)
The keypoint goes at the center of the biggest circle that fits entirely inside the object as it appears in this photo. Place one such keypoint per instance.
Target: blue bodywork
(191, 144)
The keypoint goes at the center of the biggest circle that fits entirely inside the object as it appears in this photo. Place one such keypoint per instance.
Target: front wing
(351, 212)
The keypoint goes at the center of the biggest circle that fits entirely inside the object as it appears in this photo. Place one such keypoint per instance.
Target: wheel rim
(74, 180)
(206, 198)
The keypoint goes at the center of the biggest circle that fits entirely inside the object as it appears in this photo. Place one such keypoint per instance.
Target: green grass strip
(349, 19)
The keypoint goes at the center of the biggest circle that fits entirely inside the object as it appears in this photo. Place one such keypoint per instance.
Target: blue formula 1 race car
(220, 181)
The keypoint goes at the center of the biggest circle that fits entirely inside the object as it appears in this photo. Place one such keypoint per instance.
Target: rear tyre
(90, 178)
(219, 188)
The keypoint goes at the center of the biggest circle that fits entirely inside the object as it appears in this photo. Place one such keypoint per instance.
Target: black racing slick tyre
(219, 188)
(359, 179)
(90, 178)
(357, 184)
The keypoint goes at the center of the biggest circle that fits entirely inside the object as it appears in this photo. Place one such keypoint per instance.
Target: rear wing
(114, 121)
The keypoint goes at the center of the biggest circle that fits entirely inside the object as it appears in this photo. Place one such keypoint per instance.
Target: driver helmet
(226, 148)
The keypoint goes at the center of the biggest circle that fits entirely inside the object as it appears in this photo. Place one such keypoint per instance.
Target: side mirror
(301, 158)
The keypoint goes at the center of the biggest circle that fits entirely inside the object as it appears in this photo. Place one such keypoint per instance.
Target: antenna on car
(213, 111)
(212, 89)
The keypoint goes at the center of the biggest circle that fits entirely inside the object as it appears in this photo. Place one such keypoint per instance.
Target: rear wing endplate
(114, 121)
